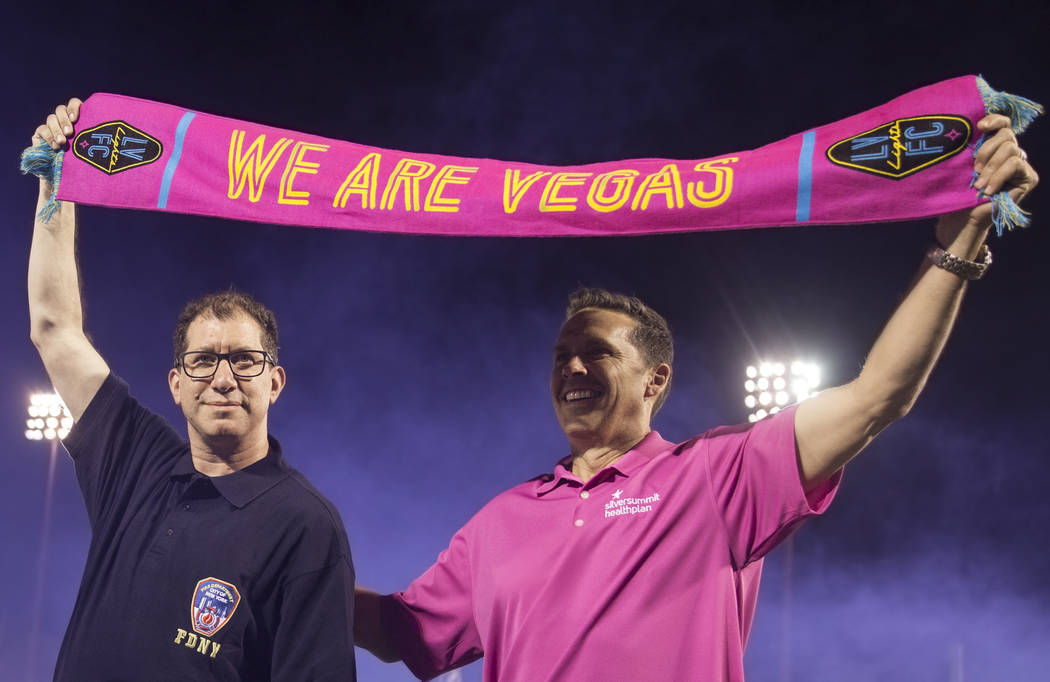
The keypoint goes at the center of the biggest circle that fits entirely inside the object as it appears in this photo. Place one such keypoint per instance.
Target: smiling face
(225, 413)
(602, 388)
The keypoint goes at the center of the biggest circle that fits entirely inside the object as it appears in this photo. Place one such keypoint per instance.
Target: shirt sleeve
(315, 638)
(432, 622)
(757, 488)
(120, 451)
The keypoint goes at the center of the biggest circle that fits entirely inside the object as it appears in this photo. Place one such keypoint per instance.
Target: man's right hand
(59, 125)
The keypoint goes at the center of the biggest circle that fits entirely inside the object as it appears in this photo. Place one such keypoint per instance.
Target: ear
(173, 384)
(659, 380)
(277, 382)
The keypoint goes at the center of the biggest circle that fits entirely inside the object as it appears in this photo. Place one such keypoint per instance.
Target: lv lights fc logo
(214, 602)
(116, 146)
(903, 147)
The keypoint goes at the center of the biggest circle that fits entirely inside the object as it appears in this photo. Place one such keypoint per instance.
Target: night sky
(418, 366)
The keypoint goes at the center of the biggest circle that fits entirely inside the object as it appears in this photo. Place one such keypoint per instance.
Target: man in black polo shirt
(209, 560)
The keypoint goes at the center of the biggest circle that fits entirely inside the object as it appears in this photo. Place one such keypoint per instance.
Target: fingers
(59, 125)
(74, 109)
(1003, 137)
(993, 122)
(1013, 174)
(1001, 163)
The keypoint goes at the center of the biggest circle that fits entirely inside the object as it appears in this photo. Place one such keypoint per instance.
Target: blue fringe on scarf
(44, 162)
(1006, 214)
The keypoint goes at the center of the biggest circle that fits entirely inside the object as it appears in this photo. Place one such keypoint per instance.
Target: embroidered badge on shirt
(214, 602)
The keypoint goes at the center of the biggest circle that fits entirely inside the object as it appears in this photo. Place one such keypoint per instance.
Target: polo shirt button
(171, 531)
(578, 522)
(585, 494)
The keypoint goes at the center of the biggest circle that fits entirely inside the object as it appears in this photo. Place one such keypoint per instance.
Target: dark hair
(222, 305)
(651, 336)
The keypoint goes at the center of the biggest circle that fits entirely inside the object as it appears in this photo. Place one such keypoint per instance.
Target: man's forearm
(54, 287)
(908, 347)
(834, 426)
(369, 632)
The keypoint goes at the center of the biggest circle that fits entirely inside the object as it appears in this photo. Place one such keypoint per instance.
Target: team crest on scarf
(904, 146)
(214, 602)
(116, 146)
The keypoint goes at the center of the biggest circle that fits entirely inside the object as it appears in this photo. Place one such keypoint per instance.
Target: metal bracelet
(967, 269)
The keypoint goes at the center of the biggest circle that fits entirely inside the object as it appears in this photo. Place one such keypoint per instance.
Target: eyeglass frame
(180, 362)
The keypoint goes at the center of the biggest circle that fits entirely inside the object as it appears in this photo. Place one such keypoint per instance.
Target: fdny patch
(902, 147)
(214, 602)
(116, 146)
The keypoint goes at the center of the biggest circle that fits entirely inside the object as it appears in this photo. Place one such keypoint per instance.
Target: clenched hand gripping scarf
(902, 160)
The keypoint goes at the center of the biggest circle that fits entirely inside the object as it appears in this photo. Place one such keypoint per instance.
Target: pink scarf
(909, 158)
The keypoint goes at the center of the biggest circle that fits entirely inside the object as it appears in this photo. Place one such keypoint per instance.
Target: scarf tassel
(44, 162)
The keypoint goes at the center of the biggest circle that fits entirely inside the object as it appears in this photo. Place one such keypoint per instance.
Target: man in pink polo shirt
(638, 559)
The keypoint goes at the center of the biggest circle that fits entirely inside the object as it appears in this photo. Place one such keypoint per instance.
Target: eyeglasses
(244, 363)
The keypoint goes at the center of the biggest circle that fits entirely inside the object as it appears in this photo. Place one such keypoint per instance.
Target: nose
(223, 380)
(573, 367)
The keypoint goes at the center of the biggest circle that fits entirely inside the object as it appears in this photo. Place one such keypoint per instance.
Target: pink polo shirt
(649, 571)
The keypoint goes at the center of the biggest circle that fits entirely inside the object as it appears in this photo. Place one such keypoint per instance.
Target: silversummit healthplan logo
(625, 506)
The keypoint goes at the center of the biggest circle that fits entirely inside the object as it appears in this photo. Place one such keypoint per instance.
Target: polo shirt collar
(241, 487)
(626, 465)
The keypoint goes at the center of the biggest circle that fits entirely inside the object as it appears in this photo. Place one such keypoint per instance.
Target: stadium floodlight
(49, 418)
(772, 385)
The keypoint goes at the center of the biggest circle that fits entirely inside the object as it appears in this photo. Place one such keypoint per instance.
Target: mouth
(578, 395)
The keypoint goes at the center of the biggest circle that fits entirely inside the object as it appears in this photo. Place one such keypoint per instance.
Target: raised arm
(55, 315)
(834, 426)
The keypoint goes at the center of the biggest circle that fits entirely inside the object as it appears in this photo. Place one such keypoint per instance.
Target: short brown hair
(651, 336)
(222, 305)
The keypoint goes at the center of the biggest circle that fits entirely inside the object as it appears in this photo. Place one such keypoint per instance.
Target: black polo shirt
(239, 577)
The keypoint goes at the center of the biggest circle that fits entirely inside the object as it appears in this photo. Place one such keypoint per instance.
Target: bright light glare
(773, 384)
(49, 417)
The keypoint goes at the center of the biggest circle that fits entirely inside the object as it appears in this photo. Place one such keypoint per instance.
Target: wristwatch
(967, 269)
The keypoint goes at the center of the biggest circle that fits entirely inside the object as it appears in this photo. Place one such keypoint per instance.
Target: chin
(222, 430)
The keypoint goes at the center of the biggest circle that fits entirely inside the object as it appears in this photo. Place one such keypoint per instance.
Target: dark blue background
(418, 366)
